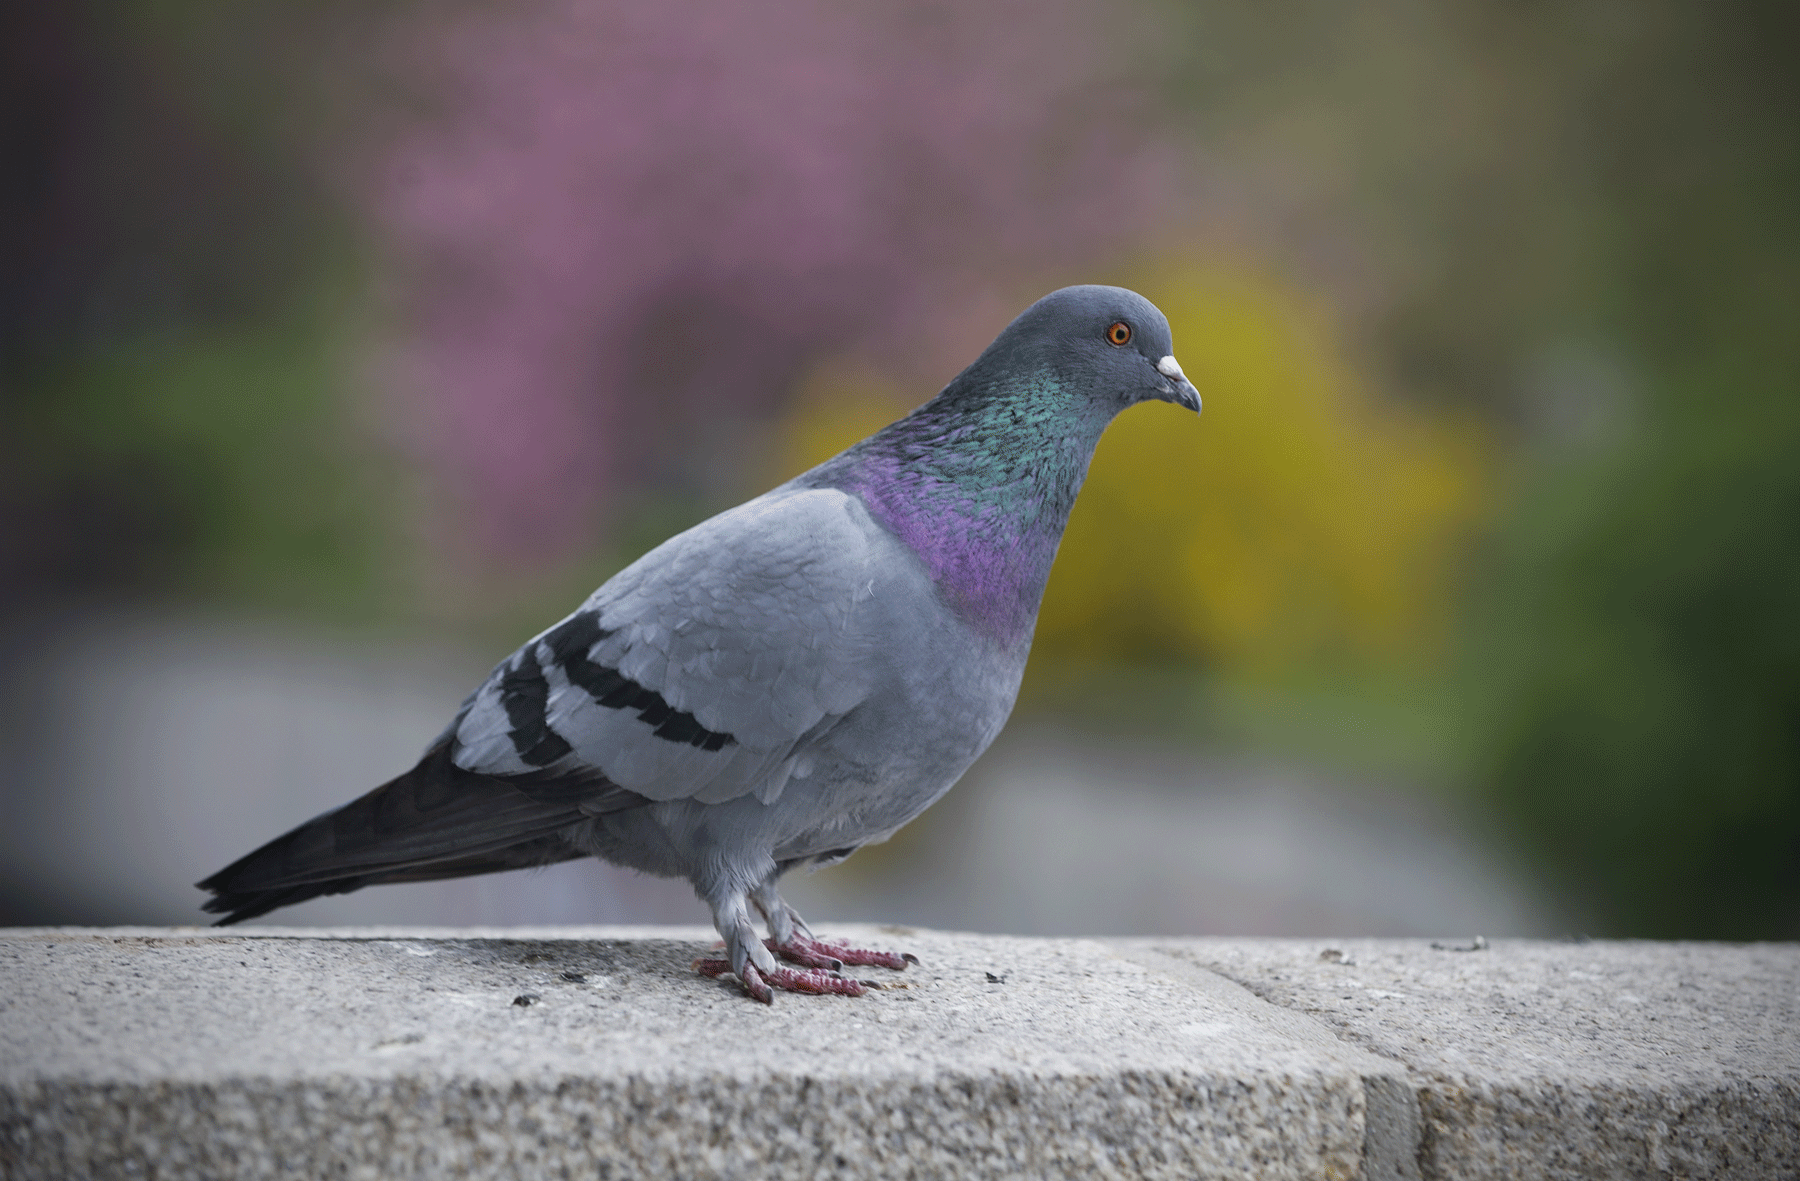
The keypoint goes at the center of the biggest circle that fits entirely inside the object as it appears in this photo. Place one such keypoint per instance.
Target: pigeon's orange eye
(1119, 333)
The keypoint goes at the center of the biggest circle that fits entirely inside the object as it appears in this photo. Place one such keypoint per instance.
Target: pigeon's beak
(1176, 387)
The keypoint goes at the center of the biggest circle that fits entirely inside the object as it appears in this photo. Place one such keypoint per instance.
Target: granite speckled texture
(247, 1055)
(1567, 1060)
(595, 1052)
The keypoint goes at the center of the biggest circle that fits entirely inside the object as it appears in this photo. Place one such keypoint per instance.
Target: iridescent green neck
(979, 482)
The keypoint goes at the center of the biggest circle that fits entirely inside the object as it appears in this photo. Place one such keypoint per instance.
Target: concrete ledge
(269, 1053)
(1533, 1059)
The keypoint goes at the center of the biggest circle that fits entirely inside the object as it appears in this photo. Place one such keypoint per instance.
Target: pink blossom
(627, 224)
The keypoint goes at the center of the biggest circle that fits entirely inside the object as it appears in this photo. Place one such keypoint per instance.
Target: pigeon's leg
(792, 940)
(748, 960)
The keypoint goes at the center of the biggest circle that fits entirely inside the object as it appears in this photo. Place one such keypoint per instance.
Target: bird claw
(821, 965)
(761, 985)
(809, 952)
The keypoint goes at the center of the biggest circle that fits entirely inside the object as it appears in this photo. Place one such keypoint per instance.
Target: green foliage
(176, 329)
(1639, 646)
(218, 460)
(1642, 661)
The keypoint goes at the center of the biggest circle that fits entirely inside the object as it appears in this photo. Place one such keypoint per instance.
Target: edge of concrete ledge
(1391, 1128)
(414, 1052)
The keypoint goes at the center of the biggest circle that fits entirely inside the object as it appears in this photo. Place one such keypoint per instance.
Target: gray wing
(702, 670)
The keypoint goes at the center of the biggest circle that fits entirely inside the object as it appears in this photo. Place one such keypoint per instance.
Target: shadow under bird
(777, 686)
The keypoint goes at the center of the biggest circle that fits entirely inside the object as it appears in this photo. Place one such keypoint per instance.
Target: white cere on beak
(1170, 367)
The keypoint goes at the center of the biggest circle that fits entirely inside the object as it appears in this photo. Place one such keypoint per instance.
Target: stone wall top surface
(270, 1052)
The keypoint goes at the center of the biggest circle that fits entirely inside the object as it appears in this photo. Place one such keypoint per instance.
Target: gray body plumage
(781, 684)
(772, 623)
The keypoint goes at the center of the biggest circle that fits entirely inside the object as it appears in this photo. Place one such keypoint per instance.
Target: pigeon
(777, 686)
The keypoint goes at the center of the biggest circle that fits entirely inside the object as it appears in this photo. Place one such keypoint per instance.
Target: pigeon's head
(1110, 341)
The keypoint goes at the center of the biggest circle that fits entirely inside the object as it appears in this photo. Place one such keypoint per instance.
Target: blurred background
(344, 346)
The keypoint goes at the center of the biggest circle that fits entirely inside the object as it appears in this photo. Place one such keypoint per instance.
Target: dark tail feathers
(436, 821)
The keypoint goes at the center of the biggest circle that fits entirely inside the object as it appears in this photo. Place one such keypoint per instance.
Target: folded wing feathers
(694, 672)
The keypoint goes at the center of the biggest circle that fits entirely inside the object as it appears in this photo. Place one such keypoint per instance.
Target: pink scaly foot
(758, 983)
(809, 952)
